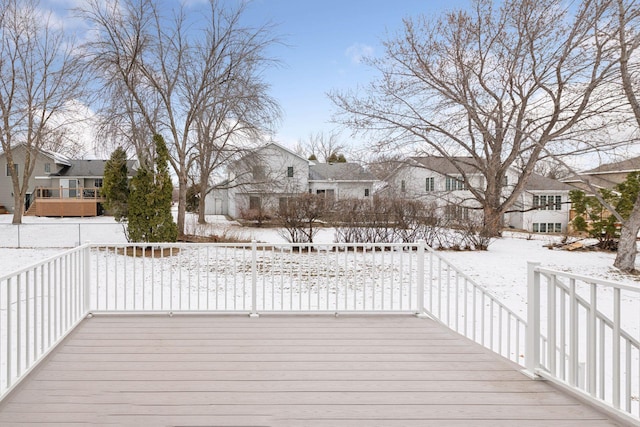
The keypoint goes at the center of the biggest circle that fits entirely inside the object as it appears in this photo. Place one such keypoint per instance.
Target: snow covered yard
(502, 269)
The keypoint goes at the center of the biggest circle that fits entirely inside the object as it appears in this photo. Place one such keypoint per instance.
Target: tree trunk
(627, 246)
(18, 203)
(201, 207)
(201, 202)
(492, 222)
(182, 203)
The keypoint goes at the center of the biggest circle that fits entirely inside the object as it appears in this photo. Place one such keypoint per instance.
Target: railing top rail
(248, 245)
(43, 262)
(587, 279)
(481, 288)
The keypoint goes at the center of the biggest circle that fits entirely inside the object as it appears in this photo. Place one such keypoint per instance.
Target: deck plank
(283, 371)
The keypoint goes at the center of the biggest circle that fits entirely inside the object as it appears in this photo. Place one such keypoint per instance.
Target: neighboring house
(46, 162)
(339, 181)
(262, 180)
(604, 176)
(543, 206)
(59, 186)
(437, 181)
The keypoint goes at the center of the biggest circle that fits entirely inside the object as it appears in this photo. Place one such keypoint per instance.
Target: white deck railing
(39, 305)
(457, 301)
(257, 277)
(588, 345)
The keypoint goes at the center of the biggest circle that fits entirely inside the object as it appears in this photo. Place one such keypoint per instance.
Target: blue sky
(323, 41)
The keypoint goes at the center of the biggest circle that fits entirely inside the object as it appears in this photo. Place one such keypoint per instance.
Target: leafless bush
(299, 215)
(389, 220)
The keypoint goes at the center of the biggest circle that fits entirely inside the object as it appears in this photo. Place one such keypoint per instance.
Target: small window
(255, 203)
(543, 227)
(258, 173)
(558, 204)
(429, 184)
(9, 169)
(543, 203)
(98, 183)
(558, 227)
(290, 172)
(505, 181)
(366, 192)
(47, 167)
(536, 201)
(536, 227)
(403, 186)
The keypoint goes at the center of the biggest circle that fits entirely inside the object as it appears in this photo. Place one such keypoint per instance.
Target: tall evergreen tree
(115, 186)
(150, 218)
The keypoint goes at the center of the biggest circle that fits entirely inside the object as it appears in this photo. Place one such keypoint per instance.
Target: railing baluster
(616, 347)
(591, 341)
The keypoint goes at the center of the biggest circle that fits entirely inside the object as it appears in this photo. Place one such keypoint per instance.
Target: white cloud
(357, 51)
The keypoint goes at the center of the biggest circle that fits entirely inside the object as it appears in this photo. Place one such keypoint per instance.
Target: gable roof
(59, 159)
(627, 165)
(90, 168)
(538, 182)
(339, 172)
(447, 166)
(282, 148)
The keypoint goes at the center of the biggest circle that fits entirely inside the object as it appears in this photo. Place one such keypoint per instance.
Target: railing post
(532, 347)
(420, 309)
(254, 280)
(87, 277)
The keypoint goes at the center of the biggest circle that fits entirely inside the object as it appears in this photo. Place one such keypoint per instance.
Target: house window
(403, 186)
(290, 171)
(9, 169)
(97, 183)
(505, 181)
(258, 173)
(255, 203)
(456, 212)
(453, 183)
(429, 184)
(366, 192)
(547, 227)
(47, 167)
(548, 203)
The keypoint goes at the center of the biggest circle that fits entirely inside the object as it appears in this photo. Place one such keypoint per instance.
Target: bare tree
(496, 83)
(40, 77)
(236, 109)
(322, 145)
(628, 14)
(165, 80)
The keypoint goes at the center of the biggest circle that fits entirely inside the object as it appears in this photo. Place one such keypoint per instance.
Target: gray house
(59, 186)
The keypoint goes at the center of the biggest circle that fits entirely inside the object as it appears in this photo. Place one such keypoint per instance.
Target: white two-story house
(542, 207)
(263, 179)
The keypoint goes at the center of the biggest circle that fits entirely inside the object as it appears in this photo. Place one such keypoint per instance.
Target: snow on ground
(502, 269)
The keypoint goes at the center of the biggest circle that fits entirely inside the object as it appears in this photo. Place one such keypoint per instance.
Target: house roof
(446, 166)
(627, 165)
(539, 182)
(339, 172)
(89, 168)
(59, 159)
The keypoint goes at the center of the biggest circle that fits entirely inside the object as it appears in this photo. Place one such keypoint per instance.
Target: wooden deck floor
(282, 371)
